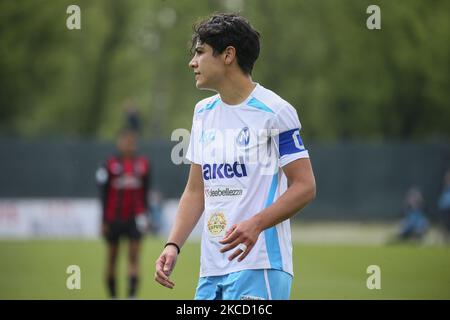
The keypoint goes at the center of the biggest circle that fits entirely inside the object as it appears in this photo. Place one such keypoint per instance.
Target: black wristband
(173, 244)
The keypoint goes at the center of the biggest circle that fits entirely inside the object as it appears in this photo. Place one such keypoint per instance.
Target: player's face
(127, 143)
(208, 69)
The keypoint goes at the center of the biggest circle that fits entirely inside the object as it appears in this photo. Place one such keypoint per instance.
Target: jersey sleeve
(194, 153)
(102, 175)
(288, 141)
(102, 178)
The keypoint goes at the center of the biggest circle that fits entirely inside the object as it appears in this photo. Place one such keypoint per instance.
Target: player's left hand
(246, 232)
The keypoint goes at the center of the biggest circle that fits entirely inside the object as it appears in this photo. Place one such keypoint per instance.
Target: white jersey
(241, 150)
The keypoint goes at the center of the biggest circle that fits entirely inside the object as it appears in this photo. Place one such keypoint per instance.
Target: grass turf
(37, 270)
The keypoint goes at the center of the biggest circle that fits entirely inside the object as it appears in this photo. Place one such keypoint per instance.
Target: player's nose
(193, 63)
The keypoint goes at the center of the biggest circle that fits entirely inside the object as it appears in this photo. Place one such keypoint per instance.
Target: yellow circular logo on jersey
(217, 223)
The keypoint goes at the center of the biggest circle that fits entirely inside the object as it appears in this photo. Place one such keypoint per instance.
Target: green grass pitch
(37, 270)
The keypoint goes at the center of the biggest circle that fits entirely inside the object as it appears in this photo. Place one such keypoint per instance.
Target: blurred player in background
(246, 249)
(415, 224)
(124, 184)
(444, 206)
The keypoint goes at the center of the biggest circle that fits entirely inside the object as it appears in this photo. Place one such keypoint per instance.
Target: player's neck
(236, 90)
(127, 156)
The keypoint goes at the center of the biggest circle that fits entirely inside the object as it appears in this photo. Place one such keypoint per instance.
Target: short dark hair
(222, 30)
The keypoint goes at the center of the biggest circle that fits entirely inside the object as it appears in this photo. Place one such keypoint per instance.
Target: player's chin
(199, 84)
(204, 86)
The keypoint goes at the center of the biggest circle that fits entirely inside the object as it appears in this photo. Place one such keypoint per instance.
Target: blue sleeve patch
(290, 142)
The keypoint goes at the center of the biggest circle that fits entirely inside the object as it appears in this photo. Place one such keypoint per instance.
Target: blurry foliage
(346, 81)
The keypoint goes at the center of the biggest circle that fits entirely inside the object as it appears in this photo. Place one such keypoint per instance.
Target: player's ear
(229, 54)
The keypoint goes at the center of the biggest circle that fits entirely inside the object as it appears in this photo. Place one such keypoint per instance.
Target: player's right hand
(164, 266)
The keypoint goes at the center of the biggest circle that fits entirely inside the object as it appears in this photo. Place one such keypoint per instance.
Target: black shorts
(119, 229)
